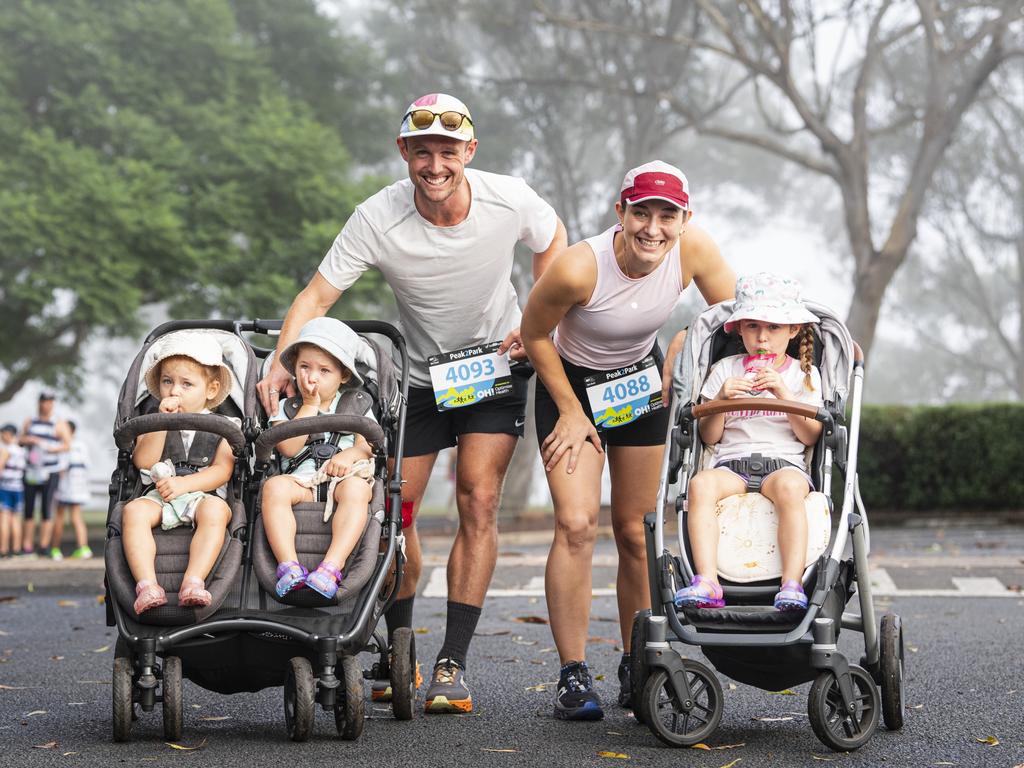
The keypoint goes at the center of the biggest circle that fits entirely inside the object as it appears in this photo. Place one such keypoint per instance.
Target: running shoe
(56, 554)
(82, 553)
(448, 691)
(625, 683)
(380, 689)
(576, 698)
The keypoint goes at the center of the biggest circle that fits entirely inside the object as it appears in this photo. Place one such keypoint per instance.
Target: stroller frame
(843, 708)
(140, 674)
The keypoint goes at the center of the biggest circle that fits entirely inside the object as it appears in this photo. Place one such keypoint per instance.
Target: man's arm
(513, 342)
(312, 301)
(542, 260)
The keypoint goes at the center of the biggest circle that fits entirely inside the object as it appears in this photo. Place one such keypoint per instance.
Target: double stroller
(681, 699)
(248, 639)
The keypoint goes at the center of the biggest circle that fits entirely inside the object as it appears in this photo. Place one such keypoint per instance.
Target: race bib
(621, 397)
(469, 376)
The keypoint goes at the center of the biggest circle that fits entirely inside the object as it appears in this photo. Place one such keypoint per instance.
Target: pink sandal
(148, 594)
(193, 594)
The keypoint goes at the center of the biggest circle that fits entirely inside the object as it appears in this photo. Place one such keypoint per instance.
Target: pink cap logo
(426, 101)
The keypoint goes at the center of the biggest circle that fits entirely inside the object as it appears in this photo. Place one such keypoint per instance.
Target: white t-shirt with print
(749, 432)
(453, 284)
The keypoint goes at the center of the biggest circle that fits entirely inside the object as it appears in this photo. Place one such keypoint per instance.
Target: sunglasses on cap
(421, 119)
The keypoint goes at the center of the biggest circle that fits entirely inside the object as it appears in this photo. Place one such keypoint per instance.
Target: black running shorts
(428, 430)
(647, 430)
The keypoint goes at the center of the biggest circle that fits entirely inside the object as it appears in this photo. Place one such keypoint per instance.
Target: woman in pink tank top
(604, 382)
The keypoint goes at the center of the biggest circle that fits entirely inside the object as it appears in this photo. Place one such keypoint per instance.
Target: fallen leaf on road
(215, 718)
(101, 599)
(422, 630)
(613, 755)
(36, 712)
(56, 658)
(67, 604)
(495, 633)
(7, 598)
(104, 649)
(615, 733)
(68, 753)
(47, 745)
(915, 706)
(11, 687)
(30, 587)
(599, 677)
(786, 692)
(182, 747)
(518, 640)
(732, 686)
(823, 759)
(531, 620)
(552, 650)
(540, 686)
(492, 749)
(730, 765)
(771, 719)
(912, 648)
(702, 745)
(992, 741)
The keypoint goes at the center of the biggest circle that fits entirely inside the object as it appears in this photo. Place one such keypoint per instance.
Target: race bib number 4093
(469, 376)
(621, 397)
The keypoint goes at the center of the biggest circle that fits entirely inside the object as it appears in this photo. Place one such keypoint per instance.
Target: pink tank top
(620, 323)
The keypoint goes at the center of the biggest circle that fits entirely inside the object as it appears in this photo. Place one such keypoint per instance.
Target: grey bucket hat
(333, 337)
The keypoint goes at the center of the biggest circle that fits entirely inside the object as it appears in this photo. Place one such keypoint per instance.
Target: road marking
(882, 585)
(437, 586)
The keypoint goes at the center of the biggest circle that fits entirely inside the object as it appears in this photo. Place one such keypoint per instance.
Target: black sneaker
(625, 682)
(576, 699)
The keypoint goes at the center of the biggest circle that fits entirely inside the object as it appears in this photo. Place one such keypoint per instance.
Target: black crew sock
(399, 615)
(462, 619)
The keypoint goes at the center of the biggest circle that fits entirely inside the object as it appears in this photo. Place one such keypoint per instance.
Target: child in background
(188, 376)
(322, 359)
(12, 489)
(72, 495)
(767, 315)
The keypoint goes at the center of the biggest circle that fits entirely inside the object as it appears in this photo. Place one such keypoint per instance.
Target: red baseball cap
(656, 181)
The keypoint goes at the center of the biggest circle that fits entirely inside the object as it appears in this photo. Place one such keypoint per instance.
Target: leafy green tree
(166, 152)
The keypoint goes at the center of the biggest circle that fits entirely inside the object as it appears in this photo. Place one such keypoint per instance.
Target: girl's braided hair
(806, 338)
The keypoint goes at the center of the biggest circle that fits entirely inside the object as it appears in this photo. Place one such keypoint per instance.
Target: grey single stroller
(680, 699)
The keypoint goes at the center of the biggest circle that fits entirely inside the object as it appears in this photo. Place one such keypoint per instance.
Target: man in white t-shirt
(444, 240)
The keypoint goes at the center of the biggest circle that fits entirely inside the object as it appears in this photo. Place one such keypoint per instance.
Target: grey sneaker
(448, 691)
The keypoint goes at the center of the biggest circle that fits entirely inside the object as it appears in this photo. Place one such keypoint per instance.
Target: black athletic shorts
(428, 430)
(647, 430)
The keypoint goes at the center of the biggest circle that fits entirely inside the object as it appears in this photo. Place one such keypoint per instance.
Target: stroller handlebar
(124, 436)
(714, 407)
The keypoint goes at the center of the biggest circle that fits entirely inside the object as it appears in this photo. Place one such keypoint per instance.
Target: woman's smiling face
(650, 229)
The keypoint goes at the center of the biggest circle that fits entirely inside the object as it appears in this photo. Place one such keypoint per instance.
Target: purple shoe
(702, 593)
(290, 576)
(324, 580)
(791, 597)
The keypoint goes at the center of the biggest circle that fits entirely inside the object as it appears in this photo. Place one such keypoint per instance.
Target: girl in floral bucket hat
(767, 315)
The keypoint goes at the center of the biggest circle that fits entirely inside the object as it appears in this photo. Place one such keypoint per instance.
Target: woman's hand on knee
(571, 432)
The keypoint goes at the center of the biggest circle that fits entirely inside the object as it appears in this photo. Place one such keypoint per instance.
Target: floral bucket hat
(770, 299)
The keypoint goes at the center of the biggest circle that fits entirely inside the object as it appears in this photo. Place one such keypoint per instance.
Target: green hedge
(953, 457)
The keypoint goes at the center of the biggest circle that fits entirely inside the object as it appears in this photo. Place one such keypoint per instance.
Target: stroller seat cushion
(748, 543)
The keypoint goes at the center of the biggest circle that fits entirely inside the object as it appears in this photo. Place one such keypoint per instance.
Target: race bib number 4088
(621, 397)
(468, 376)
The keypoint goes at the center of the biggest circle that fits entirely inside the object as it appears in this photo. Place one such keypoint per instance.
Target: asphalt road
(965, 683)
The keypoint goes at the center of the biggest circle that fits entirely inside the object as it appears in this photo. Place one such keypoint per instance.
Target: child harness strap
(200, 454)
(755, 468)
(321, 446)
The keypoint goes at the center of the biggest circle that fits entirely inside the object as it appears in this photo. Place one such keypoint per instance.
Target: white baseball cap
(437, 114)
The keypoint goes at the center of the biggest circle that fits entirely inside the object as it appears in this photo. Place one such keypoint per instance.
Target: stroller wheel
(299, 699)
(172, 698)
(638, 671)
(122, 684)
(891, 663)
(403, 674)
(348, 707)
(666, 716)
(833, 725)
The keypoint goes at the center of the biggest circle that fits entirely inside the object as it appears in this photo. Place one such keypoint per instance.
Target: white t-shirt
(453, 284)
(748, 432)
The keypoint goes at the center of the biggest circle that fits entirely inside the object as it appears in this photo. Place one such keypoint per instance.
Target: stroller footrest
(744, 618)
